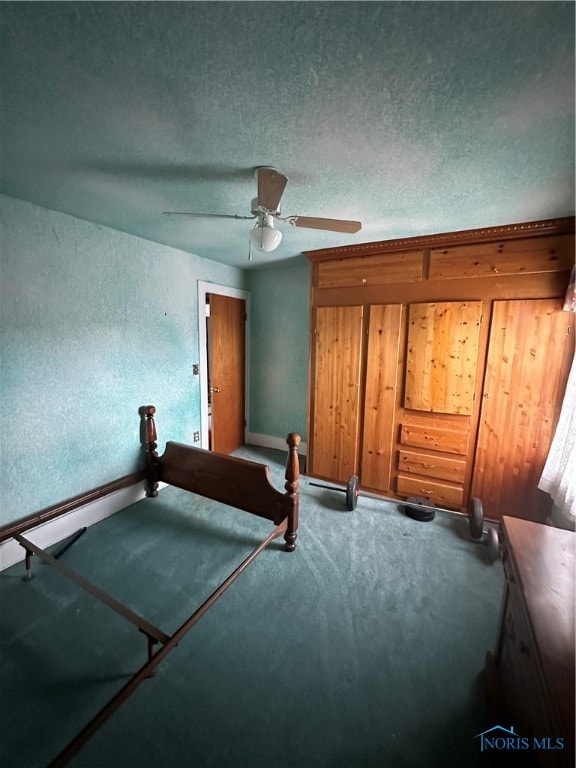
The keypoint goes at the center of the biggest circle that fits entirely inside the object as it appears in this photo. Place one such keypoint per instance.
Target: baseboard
(59, 528)
(269, 441)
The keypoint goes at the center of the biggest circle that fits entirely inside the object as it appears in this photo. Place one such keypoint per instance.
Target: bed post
(151, 453)
(291, 485)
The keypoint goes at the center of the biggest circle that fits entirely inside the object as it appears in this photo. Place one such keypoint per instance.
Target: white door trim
(235, 293)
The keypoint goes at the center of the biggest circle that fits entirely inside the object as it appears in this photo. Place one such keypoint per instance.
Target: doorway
(223, 314)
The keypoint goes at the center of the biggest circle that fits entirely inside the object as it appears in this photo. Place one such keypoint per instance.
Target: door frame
(235, 293)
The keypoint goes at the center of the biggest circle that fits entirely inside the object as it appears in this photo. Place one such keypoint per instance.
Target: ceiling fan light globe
(265, 238)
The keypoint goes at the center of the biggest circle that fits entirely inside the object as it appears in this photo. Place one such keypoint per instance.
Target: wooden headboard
(230, 480)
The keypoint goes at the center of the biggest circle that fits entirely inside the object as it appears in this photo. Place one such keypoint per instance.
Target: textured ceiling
(412, 117)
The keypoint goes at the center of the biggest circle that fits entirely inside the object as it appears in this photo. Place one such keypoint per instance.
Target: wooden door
(335, 407)
(380, 395)
(226, 354)
(529, 355)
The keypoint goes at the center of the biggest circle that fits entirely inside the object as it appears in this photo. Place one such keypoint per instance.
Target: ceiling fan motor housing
(258, 210)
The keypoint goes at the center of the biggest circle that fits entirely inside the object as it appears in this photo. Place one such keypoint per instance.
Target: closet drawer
(432, 465)
(436, 435)
(443, 494)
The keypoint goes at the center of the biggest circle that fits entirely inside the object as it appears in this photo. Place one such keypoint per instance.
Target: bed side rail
(23, 524)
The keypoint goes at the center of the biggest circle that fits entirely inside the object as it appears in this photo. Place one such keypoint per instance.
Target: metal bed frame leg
(152, 641)
(28, 563)
(29, 576)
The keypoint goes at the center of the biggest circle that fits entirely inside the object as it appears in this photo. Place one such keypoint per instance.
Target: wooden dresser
(530, 676)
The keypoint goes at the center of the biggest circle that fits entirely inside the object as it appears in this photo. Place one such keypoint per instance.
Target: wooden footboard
(230, 480)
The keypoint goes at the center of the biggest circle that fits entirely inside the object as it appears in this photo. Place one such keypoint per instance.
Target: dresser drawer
(443, 494)
(518, 675)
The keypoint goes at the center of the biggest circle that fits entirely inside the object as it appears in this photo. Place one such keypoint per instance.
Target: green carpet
(364, 647)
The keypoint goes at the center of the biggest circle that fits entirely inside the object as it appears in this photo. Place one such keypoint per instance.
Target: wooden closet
(439, 363)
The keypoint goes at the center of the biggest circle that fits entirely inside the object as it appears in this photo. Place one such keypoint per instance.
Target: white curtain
(559, 474)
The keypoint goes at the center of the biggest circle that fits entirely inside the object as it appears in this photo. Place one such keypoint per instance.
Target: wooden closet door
(380, 397)
(335, 415)
(442, 356)
(529, 355)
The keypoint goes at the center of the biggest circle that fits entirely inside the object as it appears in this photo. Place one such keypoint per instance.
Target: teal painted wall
(95, 323)
(280, 302)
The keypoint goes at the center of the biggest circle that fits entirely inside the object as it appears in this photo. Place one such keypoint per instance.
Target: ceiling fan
(266, 209)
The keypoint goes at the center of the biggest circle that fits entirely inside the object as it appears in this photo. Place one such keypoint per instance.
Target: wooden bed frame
(232, 481)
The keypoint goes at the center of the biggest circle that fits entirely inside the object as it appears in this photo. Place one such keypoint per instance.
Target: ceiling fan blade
(207, 215)
(271, 186)
(332, 225)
